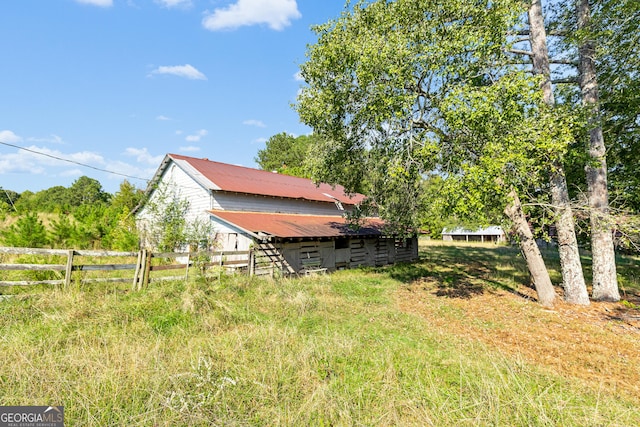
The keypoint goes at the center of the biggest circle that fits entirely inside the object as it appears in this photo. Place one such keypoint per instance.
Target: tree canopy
(406, 88)
(383, 83)
(287, 154)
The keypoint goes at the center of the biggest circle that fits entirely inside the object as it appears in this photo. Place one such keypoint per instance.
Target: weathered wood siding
(384, 251)
(406, 249)
(297, 257)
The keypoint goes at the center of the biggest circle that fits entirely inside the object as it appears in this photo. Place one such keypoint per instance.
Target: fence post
(252, 259)
(136, 274)
(69, 269)
(186, 273)
(147, 269)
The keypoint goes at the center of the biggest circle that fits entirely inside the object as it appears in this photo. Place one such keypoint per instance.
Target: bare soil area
(598, 344)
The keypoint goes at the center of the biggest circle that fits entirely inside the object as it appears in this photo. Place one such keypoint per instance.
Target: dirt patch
(598, 344)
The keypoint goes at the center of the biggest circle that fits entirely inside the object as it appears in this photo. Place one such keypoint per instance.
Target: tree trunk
(530, 251)
(605, 281)
(575, 289)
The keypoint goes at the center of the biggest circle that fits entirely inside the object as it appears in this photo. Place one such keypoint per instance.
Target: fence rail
(142, 268)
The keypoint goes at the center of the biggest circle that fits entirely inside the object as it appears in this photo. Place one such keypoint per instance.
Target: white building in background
(492, 234)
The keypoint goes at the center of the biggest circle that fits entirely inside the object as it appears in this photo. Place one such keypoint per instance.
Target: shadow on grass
(463, 272)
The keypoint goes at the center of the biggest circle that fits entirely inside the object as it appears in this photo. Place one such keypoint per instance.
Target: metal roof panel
(298, 226)
(241, 179)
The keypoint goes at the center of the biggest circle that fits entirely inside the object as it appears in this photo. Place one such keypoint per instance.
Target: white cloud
(253, 122)
(186, 71)
(45, 167)
(197, 136)
(298, 77)
(101, 3)
(85, 157)
(189, 149)
(9, 136)
(179, 132)
(175, 3)
(277, 14)
(40, 160)
(259, 141)
(55, 139)
(145, 171)
(162, 118)
(72, 172)
(142, 155)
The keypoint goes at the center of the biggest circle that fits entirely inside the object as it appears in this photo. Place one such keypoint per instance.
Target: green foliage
(54, 199)
(612, 32)
(87, 217)
(91, 225)
(27, 232)
(27, 202)
(165, 226)
(124, 234)
(7, 199)
(380, 81)
(127, 196)
(86, 191)
(286, 154)
(62, 232)
(171, 218)
(58, 199)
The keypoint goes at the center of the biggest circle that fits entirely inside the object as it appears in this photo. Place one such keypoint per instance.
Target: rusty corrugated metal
(254, 181)
(297, 226)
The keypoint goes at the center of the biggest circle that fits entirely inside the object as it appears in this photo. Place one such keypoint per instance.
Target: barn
(493, 234)
(299, 225)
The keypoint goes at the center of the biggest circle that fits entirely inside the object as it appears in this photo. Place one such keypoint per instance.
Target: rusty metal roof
(300, 226)
(239, 179)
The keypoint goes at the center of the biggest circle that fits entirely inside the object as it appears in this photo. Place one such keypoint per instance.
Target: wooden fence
(141, 263)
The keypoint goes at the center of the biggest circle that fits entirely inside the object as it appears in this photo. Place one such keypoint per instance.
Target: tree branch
(522, 40)
(564, 62)
(520, 52)
(572, 80)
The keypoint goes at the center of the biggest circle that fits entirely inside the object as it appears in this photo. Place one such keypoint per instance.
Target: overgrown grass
(326, 350)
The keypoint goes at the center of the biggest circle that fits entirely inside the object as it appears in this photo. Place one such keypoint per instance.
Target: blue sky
(117, 84)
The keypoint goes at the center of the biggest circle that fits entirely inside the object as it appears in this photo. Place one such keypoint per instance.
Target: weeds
(337, 349)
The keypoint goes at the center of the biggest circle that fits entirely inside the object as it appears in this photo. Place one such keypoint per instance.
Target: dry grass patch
(433, 343)
(597, 344)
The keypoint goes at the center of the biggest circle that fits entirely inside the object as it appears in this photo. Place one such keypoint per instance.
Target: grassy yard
(455, 339)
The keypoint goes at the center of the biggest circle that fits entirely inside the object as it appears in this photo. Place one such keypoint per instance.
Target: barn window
(342, 243)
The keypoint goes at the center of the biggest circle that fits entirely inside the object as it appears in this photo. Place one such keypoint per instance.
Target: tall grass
(325, 350)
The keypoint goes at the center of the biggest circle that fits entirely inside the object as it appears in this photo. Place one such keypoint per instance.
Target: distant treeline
(82, 216)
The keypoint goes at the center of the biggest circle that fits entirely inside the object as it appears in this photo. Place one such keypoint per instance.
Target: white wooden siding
(251, 203)
(186, 188)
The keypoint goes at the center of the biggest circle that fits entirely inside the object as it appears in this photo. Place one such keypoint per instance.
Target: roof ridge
(247, 167)
(243, 179)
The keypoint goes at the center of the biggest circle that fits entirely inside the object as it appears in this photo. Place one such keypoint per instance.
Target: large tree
(286, 154)
(605, 282)
(382, 87)
(572, 275)
(595, 50)
(86, 191)
(604, 38)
